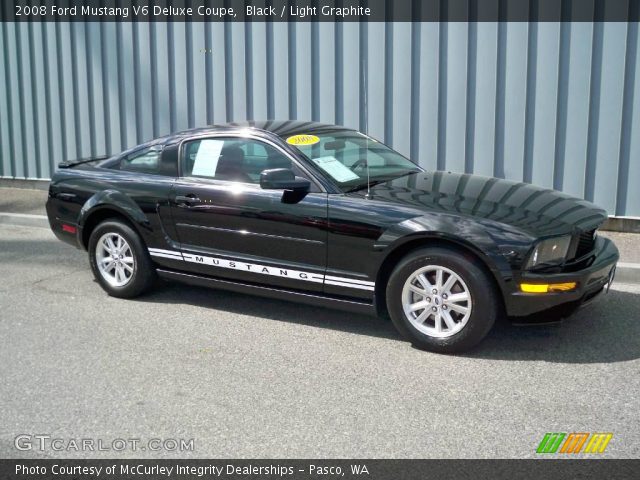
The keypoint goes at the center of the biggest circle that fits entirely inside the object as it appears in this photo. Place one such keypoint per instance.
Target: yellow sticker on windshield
(303, 139)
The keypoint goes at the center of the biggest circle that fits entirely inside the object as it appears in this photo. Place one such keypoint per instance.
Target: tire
(414, 309)
(131, 259)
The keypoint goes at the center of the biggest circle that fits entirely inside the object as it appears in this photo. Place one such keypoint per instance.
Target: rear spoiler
(80, 161)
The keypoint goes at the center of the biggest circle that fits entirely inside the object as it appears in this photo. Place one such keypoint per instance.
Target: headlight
(549, 252)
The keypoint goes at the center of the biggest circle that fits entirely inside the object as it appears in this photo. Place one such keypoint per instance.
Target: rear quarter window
(147, 161)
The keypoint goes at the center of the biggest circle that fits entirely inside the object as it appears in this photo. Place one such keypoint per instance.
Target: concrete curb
(24, 220)
(625, 273)
(25, 183)
(622, 224)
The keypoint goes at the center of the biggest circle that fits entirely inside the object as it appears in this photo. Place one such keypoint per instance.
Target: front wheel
(441, 300)
(119, 260)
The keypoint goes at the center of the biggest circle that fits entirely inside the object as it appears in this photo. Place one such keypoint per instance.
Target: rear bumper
(68, 232)
(590, 282)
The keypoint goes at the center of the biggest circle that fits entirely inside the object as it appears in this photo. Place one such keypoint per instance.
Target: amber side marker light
(547, 287)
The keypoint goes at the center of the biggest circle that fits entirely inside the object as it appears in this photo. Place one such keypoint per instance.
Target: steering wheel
(359, 164)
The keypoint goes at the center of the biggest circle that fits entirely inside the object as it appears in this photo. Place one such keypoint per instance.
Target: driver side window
(234, 159)
(231, 159)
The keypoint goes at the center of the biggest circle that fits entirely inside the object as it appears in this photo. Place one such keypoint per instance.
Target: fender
(113, 200)
(477, 238)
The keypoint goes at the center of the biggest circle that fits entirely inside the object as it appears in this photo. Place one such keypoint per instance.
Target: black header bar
(46, 469)
(319, 10)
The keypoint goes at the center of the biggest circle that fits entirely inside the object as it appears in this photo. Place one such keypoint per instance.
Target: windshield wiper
(405, 174)
(382, 180)
(362, 186)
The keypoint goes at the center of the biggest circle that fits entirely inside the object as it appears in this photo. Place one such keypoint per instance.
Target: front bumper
(590, 280)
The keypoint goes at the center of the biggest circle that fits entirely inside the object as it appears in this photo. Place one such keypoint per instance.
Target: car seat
(276, 159)
(230, 165)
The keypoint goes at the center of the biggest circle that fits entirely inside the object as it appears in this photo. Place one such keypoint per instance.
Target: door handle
(187, 200)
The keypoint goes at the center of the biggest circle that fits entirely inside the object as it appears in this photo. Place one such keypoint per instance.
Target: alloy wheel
(436, 301)
(115, 259)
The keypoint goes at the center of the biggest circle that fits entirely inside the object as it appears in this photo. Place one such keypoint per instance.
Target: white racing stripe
(348, 285)
(349, 280)
(157, 252)
(164, 255)
(252, 267)
(263, 269)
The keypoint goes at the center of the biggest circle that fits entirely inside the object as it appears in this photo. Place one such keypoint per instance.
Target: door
(228, 226)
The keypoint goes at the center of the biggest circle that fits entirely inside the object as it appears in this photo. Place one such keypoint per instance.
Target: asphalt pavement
(252, 377)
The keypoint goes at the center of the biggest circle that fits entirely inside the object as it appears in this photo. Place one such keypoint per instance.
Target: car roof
(281, 128)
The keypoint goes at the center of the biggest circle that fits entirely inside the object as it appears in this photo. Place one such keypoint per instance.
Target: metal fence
(556, 104)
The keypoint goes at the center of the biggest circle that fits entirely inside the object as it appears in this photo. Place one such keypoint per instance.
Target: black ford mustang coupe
(328, 216)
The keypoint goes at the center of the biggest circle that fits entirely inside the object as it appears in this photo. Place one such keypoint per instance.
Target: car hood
(534, 210)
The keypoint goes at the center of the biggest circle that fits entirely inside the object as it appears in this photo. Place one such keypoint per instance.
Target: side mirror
(283, 179)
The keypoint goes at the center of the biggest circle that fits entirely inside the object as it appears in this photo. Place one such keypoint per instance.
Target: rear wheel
(119, 260)
(441, 300)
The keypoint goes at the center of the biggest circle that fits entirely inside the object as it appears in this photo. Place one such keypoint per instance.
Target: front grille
(586, 242)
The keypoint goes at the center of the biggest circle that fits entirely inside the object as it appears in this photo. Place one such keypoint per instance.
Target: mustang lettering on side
(328, 216)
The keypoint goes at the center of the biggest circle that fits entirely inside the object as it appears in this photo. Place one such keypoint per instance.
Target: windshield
(345, 154)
